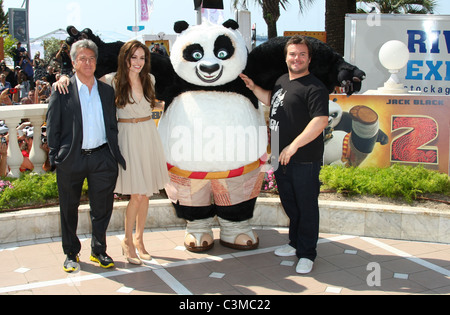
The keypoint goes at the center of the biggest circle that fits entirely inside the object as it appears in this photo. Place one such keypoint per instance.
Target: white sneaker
(304, 266)
(285, 251)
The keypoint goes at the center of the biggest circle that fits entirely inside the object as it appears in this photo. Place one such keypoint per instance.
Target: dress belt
(90, 151)
(134, 120)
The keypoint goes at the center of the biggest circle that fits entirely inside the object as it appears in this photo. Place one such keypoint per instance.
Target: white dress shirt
(94, 134)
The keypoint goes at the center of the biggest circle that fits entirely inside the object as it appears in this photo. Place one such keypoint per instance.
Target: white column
(37, 155)
(15, 157)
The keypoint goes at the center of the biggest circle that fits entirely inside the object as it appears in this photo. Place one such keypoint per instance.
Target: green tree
(9, 42)
(3, 17)
(51, 47)
(271, 11)
(397, 6)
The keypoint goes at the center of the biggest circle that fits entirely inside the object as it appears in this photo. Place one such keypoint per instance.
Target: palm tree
(335, 12)
(271, 11)
(398, 6)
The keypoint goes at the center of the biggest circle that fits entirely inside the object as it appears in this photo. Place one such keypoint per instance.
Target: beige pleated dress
(141, 147)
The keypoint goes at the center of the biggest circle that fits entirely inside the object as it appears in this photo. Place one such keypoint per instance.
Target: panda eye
(193, 53)
(197, 55)
(223, 47)
(222, 54)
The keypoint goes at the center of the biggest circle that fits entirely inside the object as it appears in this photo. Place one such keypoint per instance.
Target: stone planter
(372, 220)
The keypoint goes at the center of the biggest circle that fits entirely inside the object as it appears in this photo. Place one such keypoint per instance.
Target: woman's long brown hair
(121, 79)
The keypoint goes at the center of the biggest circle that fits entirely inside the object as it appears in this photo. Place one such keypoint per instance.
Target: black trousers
(237, 213)
(299, 187)
(101, 170)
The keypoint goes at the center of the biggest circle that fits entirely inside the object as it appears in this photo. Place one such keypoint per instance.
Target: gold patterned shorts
(222, 192)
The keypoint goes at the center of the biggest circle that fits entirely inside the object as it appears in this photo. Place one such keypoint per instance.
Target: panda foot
(238, 235)
(199, 236)
(242, 242)
(198, 242)
(364, 115)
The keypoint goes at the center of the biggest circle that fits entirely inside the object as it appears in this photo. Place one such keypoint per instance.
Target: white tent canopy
(37, 44)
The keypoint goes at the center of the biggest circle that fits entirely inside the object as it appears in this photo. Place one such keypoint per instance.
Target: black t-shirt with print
(294, 104)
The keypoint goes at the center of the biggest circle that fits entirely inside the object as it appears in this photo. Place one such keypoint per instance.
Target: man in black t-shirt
(298, 116)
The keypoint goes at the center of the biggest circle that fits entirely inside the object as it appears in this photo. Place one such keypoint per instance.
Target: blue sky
(115, 15)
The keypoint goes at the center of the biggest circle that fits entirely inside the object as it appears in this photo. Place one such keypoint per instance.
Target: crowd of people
(30, 80)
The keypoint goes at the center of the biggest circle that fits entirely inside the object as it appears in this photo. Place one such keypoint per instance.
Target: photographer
(43, 91)
(63, 56)
(3, 83)
(18, 54)
(10, 75)
(27, 66)
(23, 87)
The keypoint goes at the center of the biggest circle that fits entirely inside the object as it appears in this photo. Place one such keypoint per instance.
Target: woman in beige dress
(139, 143)
(146, 171)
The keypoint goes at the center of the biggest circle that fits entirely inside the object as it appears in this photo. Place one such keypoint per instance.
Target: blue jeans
(299, 187)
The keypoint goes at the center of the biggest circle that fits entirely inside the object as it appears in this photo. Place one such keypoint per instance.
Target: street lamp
(394, 56)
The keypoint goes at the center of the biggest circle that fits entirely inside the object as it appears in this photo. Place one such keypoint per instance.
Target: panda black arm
(162, 69)
(266, 63)
(108, 53)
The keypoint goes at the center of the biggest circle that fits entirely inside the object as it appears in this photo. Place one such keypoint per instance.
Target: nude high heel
(144, 255)
(131, 260)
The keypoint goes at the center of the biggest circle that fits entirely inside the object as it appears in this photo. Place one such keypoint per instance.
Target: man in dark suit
(82, 137)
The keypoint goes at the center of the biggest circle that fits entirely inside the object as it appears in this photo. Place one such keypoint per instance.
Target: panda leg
(365, 129)
(235, 229)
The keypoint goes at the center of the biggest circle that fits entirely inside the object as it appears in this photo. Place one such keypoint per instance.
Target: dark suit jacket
(65, 128)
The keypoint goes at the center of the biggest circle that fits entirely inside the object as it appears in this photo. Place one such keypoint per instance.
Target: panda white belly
(333, 148)
(212, 131)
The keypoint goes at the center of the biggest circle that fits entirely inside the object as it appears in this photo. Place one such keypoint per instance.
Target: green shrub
(396, 181)
(408, 182)
(30, 189)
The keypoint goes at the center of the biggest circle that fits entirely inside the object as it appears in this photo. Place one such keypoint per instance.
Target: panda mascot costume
(214, 136)
(213, 129)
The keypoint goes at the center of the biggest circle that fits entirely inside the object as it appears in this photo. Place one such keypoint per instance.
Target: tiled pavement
(345, 265)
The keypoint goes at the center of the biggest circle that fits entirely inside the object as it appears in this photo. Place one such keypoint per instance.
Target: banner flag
(145, 9)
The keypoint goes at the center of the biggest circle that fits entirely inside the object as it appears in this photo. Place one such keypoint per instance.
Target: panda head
(335, 113)
(209, 54)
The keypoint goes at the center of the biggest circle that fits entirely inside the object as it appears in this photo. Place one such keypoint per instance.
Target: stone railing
(12, 115)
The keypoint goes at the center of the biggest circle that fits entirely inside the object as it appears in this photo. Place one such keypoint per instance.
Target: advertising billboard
(18, 24)
(426, 36)
(382, 130)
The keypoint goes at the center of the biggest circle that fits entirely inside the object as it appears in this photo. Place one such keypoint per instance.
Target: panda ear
(180, 26)
(231, 24)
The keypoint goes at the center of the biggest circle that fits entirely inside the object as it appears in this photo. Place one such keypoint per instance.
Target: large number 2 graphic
(411, 146)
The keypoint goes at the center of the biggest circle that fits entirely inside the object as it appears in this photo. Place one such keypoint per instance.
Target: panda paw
(351, 80)
(75, 35)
